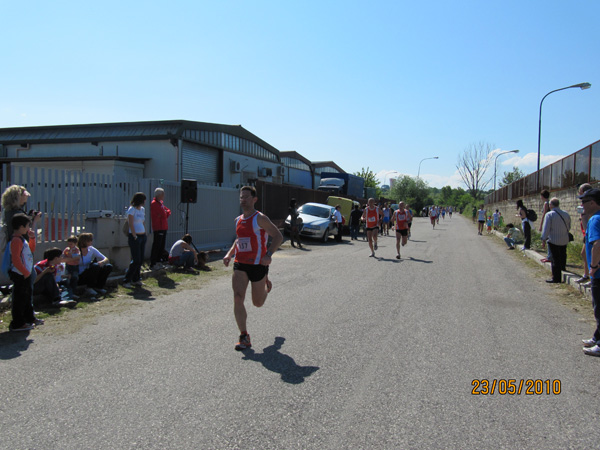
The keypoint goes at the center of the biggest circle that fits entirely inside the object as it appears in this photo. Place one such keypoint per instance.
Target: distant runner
(371, 216)
(252, 259)
(433, 215)
(401, 220)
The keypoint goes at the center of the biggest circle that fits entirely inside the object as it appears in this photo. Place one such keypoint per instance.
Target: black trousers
(22, 300)
(46, 285)
(527, 233)
(338, 237)
(559, 260)
(95, 276)
(158, 246)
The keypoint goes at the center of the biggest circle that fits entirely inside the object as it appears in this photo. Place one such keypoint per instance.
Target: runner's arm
(227, 257)
(276, 238)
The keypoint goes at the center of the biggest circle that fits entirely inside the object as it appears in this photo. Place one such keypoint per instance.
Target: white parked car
(317, 221)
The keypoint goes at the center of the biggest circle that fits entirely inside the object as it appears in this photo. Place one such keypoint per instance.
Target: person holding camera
(14, 201)
(48, 274)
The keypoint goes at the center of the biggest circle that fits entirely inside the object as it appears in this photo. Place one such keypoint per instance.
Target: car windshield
(317, 211)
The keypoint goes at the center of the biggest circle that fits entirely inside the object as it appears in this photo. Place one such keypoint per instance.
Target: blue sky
(381, 84)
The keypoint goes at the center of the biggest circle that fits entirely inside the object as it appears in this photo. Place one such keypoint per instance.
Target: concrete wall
(568, 202)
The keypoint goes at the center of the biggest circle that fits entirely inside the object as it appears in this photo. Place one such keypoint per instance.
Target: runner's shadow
(13, 344)
(420, 260)
(388, 259)
(275, 361)
(412, 240)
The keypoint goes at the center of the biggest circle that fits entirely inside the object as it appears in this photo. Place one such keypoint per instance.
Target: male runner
(433, 215)
(371, 216)
(401, 220)
(252, 259)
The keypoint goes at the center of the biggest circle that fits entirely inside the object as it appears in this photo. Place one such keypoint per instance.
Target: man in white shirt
(339, 222)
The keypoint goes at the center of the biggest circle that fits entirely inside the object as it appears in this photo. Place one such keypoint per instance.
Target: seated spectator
(94, 267)
(48, 274)
(71, 258)
(182, 254)
(513, 237)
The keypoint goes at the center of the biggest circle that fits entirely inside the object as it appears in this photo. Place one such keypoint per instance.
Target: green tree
(370, 180)
(369, 177)
(511, 176)
(413, 191)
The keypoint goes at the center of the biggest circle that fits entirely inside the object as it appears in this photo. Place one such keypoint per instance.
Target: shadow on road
(420, 260)
(13, 344)
(275, 361)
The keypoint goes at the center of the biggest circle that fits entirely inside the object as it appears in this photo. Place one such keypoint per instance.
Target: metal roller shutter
(199, 163)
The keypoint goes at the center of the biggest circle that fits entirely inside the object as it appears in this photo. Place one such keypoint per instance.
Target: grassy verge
(119, 299)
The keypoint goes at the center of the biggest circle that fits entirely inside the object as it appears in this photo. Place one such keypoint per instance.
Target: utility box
(97, 213)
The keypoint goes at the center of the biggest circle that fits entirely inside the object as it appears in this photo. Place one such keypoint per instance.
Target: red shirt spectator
(159, 214)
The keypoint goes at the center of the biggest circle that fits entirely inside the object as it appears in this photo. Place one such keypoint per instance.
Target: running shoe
(91, 291)
(582, 279)
(244, 342)
(375, 247)
(24, 327)
(127, 285)
(589, 342)
(593, 351)
(397, 256)
(37, 322)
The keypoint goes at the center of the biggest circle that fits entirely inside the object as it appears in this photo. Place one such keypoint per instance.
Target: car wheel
(325, 237)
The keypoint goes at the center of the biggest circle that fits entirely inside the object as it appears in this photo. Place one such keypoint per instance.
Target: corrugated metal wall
(199, 163)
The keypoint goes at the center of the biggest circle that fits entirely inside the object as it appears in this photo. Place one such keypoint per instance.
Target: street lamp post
(388, 174)
(581, 86)
(496, 160)
(419, 172)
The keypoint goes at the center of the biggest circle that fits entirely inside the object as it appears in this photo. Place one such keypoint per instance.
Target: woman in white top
(94, 267)
(136, 215)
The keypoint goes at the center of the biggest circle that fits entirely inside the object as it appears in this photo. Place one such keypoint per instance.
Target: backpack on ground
(531, 215)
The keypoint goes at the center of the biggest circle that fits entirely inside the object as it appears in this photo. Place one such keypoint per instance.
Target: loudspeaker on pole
(189, 191)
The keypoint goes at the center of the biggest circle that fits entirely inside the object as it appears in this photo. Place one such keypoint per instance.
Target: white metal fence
(64, 197)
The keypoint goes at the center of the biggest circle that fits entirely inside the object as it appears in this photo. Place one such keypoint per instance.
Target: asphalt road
(350, 352)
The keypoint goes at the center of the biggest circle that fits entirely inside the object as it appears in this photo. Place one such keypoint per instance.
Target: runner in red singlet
(401, 220)
(371, 217)
(252, 259)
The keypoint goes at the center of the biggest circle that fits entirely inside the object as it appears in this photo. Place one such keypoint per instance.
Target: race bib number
(244, 244)
(372, 219)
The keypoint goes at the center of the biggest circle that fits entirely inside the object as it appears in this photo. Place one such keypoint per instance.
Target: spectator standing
(355, 216)
(159, 214)
(474, 213)
(339, 222)
(136, 215)
(481, 220)
(525, 224)
(294, 223)
(590, 201)
(545, 195)
(94, 267)
(555, 233)
(20, 251)
(14, 201)
(496, 217)
(182, 254)
(583, 224)
(513, 237)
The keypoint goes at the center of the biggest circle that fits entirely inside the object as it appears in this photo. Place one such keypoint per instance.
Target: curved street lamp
(581, 86)
(387, 174)
(419, 172)
(496, 160)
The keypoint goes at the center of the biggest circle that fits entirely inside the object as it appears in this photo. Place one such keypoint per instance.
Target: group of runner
(252, 254)
(436, 211)
(400, 220)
